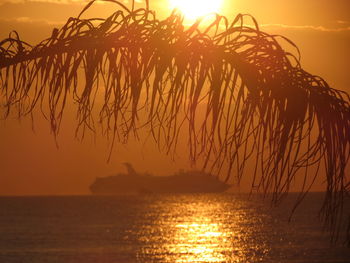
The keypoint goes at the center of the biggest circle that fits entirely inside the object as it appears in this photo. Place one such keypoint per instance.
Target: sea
(165, 228)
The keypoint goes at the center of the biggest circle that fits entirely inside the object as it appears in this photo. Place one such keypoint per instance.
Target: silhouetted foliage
(260, 106)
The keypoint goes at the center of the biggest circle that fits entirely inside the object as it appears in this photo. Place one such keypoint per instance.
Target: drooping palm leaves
(244, 104)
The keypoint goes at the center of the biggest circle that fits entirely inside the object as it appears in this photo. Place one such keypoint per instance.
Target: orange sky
(30, 163)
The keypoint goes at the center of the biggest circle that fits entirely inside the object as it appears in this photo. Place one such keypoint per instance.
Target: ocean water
(163, 228)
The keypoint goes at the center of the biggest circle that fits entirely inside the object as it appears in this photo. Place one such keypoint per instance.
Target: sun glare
(193, 9)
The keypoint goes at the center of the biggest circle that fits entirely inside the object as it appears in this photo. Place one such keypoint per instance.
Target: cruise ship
(181, 182)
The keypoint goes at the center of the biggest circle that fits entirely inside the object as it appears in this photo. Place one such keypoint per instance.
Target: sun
(193, 9)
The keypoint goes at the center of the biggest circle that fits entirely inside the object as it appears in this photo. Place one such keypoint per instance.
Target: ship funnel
(130, 169)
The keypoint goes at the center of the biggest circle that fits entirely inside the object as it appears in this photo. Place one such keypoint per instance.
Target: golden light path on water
(203, 231)
(200, 242)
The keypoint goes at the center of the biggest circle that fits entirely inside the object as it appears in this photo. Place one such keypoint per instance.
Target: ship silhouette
(180, 182)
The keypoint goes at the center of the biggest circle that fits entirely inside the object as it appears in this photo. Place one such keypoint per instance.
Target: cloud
(309, 27)
(45, 1)
(29, 20)
(83, 2)
(343, 22)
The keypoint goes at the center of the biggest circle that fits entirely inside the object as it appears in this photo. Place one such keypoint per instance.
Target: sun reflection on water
(205, 230)
(199, 242)
(199, 234)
